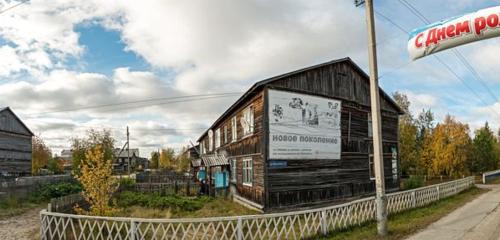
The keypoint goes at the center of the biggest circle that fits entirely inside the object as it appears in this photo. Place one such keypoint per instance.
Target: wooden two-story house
(303, 138)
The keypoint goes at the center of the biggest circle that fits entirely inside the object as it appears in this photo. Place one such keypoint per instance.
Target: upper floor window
(225, 134)
(202, 147)
(234, 132)
(217, 138)
(247, 121)
(210, 140)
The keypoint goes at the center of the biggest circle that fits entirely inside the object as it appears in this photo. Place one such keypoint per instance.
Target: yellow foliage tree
(97, 181)
(167, 159)
(40, 155)
(450, 146)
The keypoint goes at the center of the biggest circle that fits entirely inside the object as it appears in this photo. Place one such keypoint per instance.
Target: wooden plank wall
(15, 153)
(245, 147)
(309, 182)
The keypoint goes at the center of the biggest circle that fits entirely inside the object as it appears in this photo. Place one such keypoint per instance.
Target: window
(217, 138)
(370, 127)
(247, 171)
(371, 166)
(247, 121)
(225, 134)
(202, 147)
(233, 170)
(234, 132)
(210, 140)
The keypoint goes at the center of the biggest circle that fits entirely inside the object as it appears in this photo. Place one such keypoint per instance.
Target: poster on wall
(303, 126)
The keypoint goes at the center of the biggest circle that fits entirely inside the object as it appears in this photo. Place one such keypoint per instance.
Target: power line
(439, 59)
(457, 53)
(16, 5)
(185, 99)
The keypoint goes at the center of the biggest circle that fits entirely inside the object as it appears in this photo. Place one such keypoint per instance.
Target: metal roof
(259, 84)
(196, 162)
(214, 160)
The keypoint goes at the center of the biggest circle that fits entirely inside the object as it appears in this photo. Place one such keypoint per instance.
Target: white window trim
(251, 122)
(234, 129)
(217, 138)
(249, 184)
(225, 134)
(210, 140)
(371, 160)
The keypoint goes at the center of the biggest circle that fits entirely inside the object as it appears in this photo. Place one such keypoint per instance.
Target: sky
(61, 55)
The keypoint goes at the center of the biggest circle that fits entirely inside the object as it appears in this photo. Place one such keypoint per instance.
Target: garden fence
(290, 225)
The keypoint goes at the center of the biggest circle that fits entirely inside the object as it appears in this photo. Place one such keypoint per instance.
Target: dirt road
(478, 219)
(24, 226)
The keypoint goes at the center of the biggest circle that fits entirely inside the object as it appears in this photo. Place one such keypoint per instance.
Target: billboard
(453, 32)
(303, 126)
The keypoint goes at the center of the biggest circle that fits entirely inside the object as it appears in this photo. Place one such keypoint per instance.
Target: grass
(11, 206)
(217, 207)
(409, 222)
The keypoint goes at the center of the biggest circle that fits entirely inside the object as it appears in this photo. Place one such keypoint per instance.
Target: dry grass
(219, 207)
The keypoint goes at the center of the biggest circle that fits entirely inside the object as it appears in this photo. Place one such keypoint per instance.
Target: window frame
(225, 134)
(370, 126)
(249, 118)
(247, 175)
(217, 138)
(234, 129)
(210, 140)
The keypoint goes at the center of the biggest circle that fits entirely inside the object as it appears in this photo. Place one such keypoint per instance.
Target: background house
(136, 162)
(304, 138)
(15, 145)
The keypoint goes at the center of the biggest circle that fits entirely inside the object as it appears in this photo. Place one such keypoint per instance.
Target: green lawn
(407, 223)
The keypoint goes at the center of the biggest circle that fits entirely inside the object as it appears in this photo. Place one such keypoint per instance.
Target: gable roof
(17, 118)
(260, 84)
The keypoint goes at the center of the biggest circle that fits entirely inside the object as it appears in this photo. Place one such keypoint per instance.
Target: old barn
(15, 145)
(303, 138)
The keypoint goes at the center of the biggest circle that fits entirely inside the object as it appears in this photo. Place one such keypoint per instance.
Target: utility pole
(128, 151)
(380, 198)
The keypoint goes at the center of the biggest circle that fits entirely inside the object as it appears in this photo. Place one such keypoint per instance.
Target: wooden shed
(15, 145)
(304, 138)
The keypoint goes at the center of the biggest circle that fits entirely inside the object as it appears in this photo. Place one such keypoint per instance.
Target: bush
(47, 192)
(174, 202)
(413, 182)
(127, 183)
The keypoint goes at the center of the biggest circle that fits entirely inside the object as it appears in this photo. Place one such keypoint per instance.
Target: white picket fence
(290, 225)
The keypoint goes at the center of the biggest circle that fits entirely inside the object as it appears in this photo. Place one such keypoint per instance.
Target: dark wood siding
(308, 182)
(15, 145)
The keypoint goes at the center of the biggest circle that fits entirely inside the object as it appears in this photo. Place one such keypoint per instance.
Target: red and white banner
(453, 32)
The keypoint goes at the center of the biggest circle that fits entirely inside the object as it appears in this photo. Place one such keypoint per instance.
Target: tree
(167, 159)
(450, 146)
(407, 136)
(182, 160)
(55, 166)
(40, 155)
(96, 171)
(425, 124)
(484, 156)
(155, 157)
(80, 146)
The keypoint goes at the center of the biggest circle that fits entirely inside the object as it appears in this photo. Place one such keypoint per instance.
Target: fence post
(413, 199)
(438, 192)
(133, 229)
(239, 229)
(324, 226)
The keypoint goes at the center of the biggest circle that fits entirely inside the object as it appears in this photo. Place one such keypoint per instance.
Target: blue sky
(70, 54)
